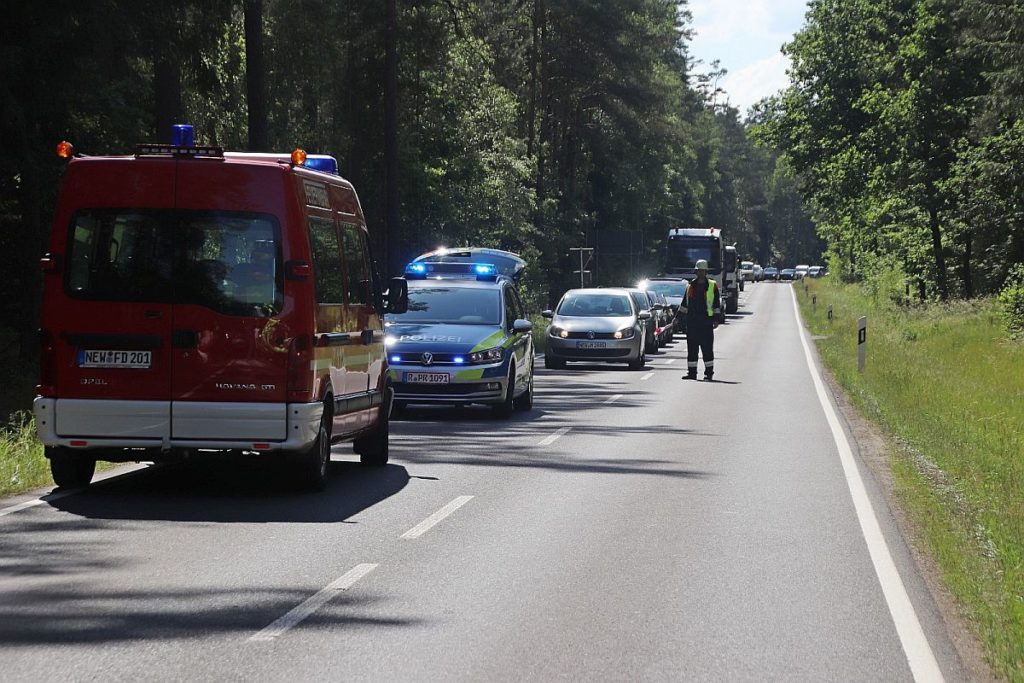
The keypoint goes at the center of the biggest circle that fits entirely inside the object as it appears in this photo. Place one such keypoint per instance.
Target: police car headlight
(624, 333)
(559, 332)
(486, 356)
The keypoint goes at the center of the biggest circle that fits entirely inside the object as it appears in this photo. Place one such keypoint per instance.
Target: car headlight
(486, 356)
(559, 332)
(624, 333)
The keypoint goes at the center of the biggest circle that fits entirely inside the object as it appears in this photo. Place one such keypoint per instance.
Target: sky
(745, 36)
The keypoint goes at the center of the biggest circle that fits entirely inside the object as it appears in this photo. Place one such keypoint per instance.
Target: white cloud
(757, 80)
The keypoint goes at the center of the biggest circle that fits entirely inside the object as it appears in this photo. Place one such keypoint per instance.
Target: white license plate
(95, 358)
(427, 377)
(590, 345)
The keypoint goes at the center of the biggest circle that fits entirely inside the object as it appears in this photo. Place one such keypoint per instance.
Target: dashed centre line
(670, 361)
(425, 526)
(647, 377)
(311, 604)
(612, 399)
(555, 437)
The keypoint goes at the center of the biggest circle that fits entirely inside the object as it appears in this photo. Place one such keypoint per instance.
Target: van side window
(356, 265)
(327, 272)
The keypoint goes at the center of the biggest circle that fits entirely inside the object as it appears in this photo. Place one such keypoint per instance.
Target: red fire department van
(199, 300)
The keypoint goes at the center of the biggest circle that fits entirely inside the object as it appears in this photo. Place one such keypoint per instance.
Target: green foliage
(22, 464)
(1011, 299)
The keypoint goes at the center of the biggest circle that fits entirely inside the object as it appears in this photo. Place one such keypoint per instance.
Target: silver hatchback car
(596, 325)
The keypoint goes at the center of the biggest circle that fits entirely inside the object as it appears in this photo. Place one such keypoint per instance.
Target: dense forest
(904, 123)
(528, 125)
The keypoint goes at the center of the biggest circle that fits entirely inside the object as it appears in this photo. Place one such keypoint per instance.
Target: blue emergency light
(416, 270)
(323, 163)
(183, 135)
(485, 269)
(459, 360)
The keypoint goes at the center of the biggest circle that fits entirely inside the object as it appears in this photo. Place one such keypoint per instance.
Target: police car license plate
(590, 345)
(94, 358)
(427, 377)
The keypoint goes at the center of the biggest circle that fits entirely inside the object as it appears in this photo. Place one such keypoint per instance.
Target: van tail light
(47, 365)
(300, 374)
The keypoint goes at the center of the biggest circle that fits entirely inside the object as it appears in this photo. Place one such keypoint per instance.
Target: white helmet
(702, 264)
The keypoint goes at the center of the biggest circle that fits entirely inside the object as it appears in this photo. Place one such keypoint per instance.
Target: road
(632, 526)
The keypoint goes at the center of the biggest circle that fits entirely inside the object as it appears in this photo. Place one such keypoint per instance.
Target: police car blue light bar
(183, 135)
(416, 270)
(485, 269)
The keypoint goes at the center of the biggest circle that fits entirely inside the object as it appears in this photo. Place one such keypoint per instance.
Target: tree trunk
(535, 56)
(167, 96)
(941, 281)
(966, 277)
(255, 76)
(545, 114)
(391, 198)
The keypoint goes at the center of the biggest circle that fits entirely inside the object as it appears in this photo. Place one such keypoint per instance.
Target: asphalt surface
(632, 526)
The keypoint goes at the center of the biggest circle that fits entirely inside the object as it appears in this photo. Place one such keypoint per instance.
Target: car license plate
(427, 377)
(590, 345)
(96, 358)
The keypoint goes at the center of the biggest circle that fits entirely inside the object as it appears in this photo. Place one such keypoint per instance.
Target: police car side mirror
(397, 296)
(547, 314)
(522, 325)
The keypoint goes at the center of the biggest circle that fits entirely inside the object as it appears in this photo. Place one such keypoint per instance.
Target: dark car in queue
(464, 339)
(674, 290)
(787, 274)
(645, 302)
(771, 273)
(596, 325)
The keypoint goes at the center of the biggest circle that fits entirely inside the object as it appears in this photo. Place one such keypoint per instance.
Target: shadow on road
(234, 489)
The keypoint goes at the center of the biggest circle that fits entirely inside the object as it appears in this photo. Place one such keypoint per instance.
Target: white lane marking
(613, 399)
(425, 526)
(915, 644)
(555, 437)
(647, 377)
(670, 361)
(49, 497)
(311, 604)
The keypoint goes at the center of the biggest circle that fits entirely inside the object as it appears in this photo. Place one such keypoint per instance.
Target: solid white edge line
(311, 604)
(647, 377)
(425, 526)
(613, 399)
(555, 437)
(918, 651)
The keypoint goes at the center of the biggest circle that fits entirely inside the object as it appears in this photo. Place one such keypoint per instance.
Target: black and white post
(862, 338)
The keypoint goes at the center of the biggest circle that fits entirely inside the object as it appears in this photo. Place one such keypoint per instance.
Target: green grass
(22, 465)
(949, 387)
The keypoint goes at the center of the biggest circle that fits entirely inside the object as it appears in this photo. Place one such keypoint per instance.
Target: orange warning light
(65, 150)
(298, 156)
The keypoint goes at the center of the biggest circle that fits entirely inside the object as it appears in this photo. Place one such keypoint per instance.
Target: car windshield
(452, 305)
(668, 288)
(595, 305)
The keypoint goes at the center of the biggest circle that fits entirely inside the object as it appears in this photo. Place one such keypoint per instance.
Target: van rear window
(226, 261)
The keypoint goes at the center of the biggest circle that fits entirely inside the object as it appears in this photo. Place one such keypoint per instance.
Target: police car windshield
(595, 306)
(668, 288)
(452, 305)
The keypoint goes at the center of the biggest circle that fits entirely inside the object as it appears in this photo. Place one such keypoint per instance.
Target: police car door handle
(153, 314)
(185, 339)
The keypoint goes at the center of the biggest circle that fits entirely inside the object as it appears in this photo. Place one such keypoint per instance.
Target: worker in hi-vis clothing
(703, 307)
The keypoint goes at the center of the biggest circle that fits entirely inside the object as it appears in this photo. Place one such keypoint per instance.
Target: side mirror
(522, 325)
(397, 296)
(657, 307)
(645, 315)
(549, 314)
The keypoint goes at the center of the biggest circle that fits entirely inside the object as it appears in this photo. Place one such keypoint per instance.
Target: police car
(465, 337)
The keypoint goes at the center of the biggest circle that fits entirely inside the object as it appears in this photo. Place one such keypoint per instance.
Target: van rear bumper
(91, 423)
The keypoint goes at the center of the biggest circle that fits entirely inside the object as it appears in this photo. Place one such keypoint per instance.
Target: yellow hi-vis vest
(710, 296)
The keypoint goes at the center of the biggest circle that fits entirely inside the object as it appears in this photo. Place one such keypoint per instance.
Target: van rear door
(110, 318)
(230, 331)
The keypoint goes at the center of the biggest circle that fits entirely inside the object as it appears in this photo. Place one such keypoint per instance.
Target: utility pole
(586, 253)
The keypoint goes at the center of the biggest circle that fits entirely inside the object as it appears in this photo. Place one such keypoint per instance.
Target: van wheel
(373, 447)
(504, 409)
(525, 400)
(313, 462)
(70, 469)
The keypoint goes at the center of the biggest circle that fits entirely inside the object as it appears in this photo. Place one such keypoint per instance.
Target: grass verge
(944, 382)
(22, 464)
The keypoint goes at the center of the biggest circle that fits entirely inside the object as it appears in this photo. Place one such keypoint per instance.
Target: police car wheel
(70, 469)
(504, 409)
(525, 400)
